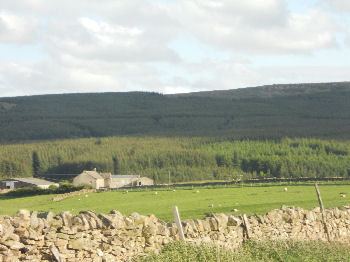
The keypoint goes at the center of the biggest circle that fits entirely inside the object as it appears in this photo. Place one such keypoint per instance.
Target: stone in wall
(28, 236)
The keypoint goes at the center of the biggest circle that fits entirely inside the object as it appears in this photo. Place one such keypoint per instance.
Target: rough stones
(114, 237)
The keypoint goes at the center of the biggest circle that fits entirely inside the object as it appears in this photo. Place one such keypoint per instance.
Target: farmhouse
(92, 178)
(12, 183)
(107, 180)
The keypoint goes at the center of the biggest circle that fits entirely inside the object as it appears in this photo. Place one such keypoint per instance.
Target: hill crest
(268, 91)
(275, 111)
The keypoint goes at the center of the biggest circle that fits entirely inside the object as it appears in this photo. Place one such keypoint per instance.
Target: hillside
(268, 91)
(304, 110)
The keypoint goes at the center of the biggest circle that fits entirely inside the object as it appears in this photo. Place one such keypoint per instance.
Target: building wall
(145, 181)
(120, 182)
(84, 179)
(7, 184)
(47, 186)
(99, 183)
(17, 184)
(107, 179)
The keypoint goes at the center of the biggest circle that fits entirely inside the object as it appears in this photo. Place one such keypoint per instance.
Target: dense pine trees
(187, 159)
(274, 112)
(36, 164)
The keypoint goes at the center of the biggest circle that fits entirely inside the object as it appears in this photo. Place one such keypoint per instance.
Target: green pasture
(192, 204)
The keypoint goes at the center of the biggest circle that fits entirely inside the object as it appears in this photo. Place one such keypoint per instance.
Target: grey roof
(93, 174)
(32, 180)
(125, 176)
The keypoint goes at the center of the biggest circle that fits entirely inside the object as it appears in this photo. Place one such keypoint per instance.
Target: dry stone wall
(72, 194)
(28, 236)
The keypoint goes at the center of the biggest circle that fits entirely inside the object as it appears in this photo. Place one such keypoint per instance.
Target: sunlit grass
(254, 251)
(192, 204)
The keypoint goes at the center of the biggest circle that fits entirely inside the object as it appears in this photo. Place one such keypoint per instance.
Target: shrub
(26, 191)
(65, 187)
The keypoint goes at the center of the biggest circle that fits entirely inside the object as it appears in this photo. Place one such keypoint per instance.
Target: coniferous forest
(199, 136)
(187, 159)
(270, 112)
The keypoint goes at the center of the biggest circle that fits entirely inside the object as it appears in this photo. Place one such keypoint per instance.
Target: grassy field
(192, 204)
(254, 251)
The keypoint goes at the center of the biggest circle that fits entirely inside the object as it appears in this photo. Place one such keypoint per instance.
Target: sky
(170, 46)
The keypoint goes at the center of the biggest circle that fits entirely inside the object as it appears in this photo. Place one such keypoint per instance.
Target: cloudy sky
(170, 46)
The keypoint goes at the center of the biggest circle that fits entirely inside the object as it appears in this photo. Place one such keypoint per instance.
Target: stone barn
(129, 180)
(107, 180)
(92, 178)
(13, 183)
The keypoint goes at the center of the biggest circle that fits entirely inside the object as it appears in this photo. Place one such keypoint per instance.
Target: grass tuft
(254, 251)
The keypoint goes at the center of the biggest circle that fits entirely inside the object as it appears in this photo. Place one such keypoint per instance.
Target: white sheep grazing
(197, 191)
(156, 193)
(285, 189)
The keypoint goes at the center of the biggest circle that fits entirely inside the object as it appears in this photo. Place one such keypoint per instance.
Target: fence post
(178, 223)
(246, 225)
(56, 254)
(324, 218)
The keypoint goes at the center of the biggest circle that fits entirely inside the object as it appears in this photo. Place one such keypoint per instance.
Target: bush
(53, 187)
(26, 191)
(65, 187)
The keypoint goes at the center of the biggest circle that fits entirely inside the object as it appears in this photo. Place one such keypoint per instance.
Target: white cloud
(173, 89)
(220, 75)
(122, 45)
(89, 39)
(71, 74)
(305, 74)
(18, 29)
(339, 5)
(49, 77)
(256, 27)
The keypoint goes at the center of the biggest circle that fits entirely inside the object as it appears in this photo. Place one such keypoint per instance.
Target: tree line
(187, 159)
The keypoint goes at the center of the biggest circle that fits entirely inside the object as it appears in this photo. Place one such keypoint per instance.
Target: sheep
(285, 189)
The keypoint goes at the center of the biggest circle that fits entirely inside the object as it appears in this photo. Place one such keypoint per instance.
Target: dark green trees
(115, 165)
(36, 164)
(188, 159)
